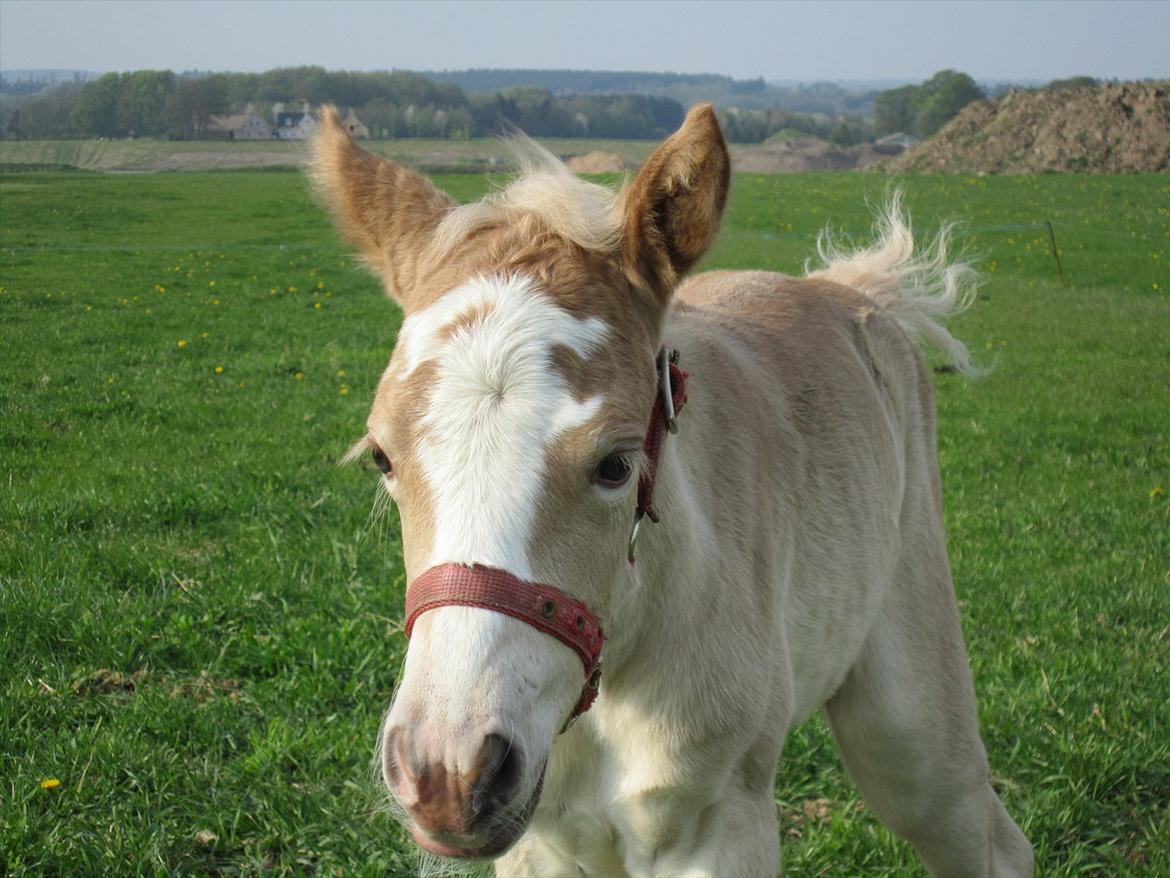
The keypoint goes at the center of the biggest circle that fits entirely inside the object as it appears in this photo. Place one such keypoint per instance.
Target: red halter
(544, 607)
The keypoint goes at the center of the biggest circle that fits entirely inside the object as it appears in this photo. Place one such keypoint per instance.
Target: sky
(867, 40)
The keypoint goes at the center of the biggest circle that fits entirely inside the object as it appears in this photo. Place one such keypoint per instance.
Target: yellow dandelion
(219, 370)
(215, 301)
(340, 373)
(182, 342)
(317, 305)
(110, 380)
(1155, 285)
(343, 390)
(205, 334)
(211, 283)
(1157, 492)
(299, 375)
(292, 289)
(160, 288)
(320, 284)
(50, 783)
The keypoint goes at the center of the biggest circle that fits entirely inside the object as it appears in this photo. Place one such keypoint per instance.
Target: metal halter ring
(666, 390)
(634, 536)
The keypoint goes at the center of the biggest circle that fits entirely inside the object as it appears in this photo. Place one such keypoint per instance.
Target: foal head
(508, 427)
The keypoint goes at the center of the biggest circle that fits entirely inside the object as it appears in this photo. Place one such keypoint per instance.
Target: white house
(295, 126)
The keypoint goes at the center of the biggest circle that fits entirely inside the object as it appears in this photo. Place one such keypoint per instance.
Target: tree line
(162, 103)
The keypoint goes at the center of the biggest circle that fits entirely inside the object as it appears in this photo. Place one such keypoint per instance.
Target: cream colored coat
(800, 562)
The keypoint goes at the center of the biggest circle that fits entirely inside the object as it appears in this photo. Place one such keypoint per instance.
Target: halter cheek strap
(668, 402)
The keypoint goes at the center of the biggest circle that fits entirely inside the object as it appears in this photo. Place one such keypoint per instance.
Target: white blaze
(496, 407)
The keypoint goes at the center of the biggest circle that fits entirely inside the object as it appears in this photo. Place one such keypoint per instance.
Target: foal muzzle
(543, 607)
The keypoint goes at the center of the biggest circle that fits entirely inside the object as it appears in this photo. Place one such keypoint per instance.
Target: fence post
(1055, 252)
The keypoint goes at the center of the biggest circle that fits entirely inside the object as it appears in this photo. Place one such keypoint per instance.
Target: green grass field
(200, 628)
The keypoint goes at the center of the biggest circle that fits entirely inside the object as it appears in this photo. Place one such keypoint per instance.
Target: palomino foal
(799, 561)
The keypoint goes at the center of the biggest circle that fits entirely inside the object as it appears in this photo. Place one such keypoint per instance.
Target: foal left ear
(672, 210)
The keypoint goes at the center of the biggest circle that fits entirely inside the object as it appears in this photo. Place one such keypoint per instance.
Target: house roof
(229, 123)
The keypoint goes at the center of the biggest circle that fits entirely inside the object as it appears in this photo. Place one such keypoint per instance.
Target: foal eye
(614, 471)
(382, 461)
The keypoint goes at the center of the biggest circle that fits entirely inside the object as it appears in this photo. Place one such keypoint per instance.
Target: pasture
(200, 622)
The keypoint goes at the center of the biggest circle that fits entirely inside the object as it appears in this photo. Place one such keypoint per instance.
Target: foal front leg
(737, 835)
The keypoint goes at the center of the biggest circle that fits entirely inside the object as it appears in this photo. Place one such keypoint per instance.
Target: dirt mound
(1108, 129)
(800, 154)
(597, 162)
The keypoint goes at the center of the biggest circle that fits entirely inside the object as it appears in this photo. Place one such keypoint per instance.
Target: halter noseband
(544, 607)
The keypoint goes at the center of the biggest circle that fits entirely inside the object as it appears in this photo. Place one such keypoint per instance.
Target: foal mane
(545, 191)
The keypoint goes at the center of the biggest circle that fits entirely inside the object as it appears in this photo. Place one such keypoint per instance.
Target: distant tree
(143, 102)
(11, 128)
(47, 114)
(840, 134)
(924, 109)
(195, 101)
(96, 112)
(941, 98)
(893, 110)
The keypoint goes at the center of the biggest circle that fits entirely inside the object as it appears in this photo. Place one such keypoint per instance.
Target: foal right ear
(385, 210)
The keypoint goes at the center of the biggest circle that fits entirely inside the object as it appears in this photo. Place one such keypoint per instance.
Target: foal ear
(671, 211)
(385, 210)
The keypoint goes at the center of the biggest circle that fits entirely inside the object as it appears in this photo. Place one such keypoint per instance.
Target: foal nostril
(395, 765)
(499, 779)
